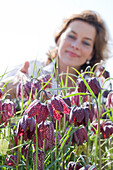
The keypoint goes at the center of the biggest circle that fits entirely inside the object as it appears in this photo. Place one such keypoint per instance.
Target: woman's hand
(10, 83)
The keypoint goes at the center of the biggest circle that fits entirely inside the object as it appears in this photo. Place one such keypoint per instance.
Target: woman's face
(75, 45)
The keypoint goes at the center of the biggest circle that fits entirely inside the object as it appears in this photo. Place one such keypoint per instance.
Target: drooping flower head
(26, 127)
(37, 109)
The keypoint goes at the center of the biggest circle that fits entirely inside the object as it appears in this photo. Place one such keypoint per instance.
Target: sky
(27, 27)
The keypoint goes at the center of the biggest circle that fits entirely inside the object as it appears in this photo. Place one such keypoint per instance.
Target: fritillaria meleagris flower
(75, 99)
(40, 160)
(79, 115)
(80, 135)
(1, 93)
(28, 88)
(44, 79)
(105, 95)
(94, 85)
(109, 101)
(107, 129)
(45, 132)
(104, 72)
(36, 84)
(11, 160)
(73, 166)
(46, 135)
(8, 110)
(37, 109)
(81, 86)
(26, 127)
(56, 106)
(90, 108)
(78, 166)
(67, 101)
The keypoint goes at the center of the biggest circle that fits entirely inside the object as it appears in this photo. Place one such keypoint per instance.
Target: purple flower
(107, 129)
(79, 115)
(44, 79)
(28, 88)
(75, 99)
(94, 85)
(104, 72)
(46, 132)
(81, 86)
(40, 159)
(26, 127)
(38, 109)
(90, 109)
(109, 102)
(8, 110)
(1, 93)
(71, 166)
(80, 135)
(56, 106)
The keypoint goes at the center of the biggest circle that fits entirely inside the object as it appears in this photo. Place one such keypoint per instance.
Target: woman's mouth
(72, 54)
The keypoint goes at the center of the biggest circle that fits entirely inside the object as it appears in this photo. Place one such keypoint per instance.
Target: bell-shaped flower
(109, 101)
(1, 93)
(104, 72)
(27, 87)
(94, 85)
(73, 166)
(37, 109)
(46, 135)
(44, 79)
(40, 160)
(90, 108)
(67, 101)
(8, 110)
(56, 106)
(79, 115)
(107, 129)
(26, 127)
(80, 135)
(75, 99)
(45, 132)
(81, 86)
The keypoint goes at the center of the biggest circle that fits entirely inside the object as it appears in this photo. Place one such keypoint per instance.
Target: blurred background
(27, 27)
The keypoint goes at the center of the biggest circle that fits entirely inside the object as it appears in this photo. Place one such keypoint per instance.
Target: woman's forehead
(81, 27)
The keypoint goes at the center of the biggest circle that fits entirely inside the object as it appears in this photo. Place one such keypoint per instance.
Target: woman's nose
(76, 44)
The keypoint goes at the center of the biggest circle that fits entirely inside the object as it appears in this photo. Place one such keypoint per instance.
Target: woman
(81, 41)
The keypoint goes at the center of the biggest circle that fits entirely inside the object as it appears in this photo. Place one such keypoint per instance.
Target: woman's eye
(72, 37)
(86, 43)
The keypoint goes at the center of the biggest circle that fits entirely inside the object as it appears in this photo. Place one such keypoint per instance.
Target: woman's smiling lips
(72, 54)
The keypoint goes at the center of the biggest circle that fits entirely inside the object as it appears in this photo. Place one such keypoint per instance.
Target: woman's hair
(101, 40)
